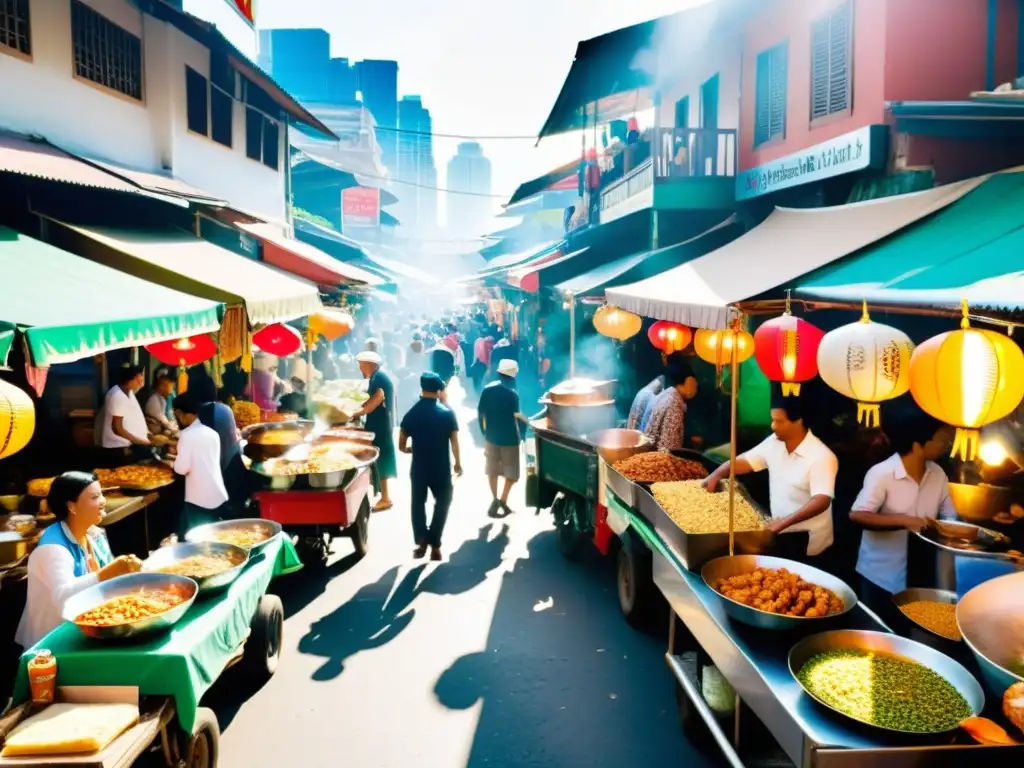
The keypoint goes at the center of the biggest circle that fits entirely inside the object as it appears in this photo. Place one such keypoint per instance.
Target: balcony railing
(681, 153)
(633, 183)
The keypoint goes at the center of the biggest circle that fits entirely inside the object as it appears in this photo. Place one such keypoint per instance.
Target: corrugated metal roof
(41, 160)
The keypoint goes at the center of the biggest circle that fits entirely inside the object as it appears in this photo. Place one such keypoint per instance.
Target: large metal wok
(991, 619)
(130, 584)
(174, 554)
(284, 473)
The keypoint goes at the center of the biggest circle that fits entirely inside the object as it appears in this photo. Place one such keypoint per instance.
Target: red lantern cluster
(669, 337)
(186, 352)
(278, 339)
(786, 350)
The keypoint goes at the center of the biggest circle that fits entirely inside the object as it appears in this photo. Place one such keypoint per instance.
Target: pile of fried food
(201, 566)
(136, 476)
(246, 413)
(128, 609)
(242, 537)
(781, 591)
(695, 510)
(659, 467)
(40, 487)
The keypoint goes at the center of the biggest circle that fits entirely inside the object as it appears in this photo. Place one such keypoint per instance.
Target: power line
(454, 135)
(435, 189)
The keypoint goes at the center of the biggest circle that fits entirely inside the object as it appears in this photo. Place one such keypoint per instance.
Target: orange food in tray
(127, 609)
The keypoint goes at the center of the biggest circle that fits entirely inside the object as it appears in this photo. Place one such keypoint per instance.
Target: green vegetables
(885, 691)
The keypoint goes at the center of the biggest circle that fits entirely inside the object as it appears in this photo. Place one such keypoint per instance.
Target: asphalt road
(503, 655)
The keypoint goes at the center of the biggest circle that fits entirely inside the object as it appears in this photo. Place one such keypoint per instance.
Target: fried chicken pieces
(780, 592)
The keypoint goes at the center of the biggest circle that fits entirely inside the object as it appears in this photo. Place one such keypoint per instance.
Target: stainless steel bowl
(167, 556)
(927, 595)
(894, 645)
(738, 565)
(617, 444)
(126, 585)
(210, 531)
(966, 539)
(991, 619)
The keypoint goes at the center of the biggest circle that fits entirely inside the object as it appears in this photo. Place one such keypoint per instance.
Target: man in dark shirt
(431, 425)
(498, 411)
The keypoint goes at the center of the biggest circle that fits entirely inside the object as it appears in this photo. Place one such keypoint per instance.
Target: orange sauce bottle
(42, 677)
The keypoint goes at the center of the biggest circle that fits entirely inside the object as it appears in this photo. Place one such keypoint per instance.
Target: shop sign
(360, 207)
(246, 9)
(854, 151)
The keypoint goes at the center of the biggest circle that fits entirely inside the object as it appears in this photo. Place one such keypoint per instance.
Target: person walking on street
(432, 426)
(498, 412)
(379, 411)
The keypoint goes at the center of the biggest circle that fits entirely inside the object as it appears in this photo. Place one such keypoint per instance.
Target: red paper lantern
(669, 337)
(786, 350)
(184, 352)
(278, 339)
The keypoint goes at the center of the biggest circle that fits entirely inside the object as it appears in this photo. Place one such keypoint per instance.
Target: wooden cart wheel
(263, 648)
(637, 593)
(201, 748)
(359, 531)
(565, 511)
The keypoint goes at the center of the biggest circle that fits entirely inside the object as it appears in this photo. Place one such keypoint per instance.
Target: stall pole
(310, 337)
(572, 336)
(734, 375)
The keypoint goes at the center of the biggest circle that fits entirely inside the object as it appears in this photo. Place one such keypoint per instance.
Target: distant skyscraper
(298, 59)
(342, 82)
(416, 173)
(469, 172)
(378, 82)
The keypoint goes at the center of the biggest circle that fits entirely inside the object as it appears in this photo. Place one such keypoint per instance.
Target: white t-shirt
(117, 403)
(889, 490)
(794, 478)
(199, 461)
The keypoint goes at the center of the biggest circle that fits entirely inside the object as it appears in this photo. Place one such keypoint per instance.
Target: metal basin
(617, 444)
(893, 645)
(991, 619)
(738, 565)
(966, 539)
(361, 454)
(979, 503)
(211, 531)
(166, 556)
(129, 584)
(928, 595)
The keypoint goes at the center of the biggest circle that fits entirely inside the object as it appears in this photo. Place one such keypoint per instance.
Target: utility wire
(435, 189)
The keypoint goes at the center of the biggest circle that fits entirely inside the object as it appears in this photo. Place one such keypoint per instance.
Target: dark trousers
(441, 490)
(878, 600)
(192, 516)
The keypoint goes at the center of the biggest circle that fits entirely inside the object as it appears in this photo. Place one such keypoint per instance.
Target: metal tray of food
(130, 584)
(696, 549)
(908, 627)
(251, 534)
(626, 489)
(284, 471)
(174, 555)
(967, 540)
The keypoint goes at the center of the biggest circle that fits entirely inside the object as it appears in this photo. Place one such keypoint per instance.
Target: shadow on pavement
(300, 589)
(563, 679)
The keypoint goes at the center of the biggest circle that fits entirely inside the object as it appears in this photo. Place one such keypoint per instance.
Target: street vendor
(906, 492)
(159, 419)
(379, 411)
(198, 460)
(124, 423)
(666, 426)
(644, 398)
(72, 555)
(801, 475)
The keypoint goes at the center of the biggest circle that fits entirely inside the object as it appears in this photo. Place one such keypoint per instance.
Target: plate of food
(213, 565)
(250, 534)
(131, 606)
(136, 477)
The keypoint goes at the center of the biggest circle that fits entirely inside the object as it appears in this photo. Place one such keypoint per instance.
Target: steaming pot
(580, 406)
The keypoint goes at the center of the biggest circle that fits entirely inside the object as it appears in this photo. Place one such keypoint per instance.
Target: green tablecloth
(183, 663)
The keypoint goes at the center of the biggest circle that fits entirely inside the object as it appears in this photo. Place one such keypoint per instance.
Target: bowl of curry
(131, 606)
(213, 565)
(250, 534)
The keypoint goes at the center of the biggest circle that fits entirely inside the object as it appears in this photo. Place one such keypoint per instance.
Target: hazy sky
(483, 67)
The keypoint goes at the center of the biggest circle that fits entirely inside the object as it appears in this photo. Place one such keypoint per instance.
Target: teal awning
(69, 307)
(968, 250)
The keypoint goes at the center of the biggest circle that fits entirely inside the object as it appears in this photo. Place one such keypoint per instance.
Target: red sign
(360, 207)
(246, 9)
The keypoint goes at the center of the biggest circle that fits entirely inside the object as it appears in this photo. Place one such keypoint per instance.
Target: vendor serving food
(72, 555)
(906, 492)
(666, 423)
(379, 411)
(124, 423)
(801, 475)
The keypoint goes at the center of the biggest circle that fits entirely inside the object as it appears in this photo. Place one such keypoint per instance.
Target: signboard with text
(245, 8)
(854, 151)
(360, 207)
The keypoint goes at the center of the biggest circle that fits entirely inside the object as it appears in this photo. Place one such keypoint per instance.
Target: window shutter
(763, 106)
(839, 60)
(819, 68)
(777, 78)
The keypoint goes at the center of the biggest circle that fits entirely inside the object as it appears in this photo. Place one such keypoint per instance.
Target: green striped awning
(68, 307)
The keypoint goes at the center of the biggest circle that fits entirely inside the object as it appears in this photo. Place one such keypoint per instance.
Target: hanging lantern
(184, 353)
(17, 419)
(786, 350)
(278, 339)
(715, 347)
(867, 362)
(332, 324)
(616, 323)
(967, 378)
(669, 337)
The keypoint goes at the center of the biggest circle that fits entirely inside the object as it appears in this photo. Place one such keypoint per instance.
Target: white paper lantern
(867, 362)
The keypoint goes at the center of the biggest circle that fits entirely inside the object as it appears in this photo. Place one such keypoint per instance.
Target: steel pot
(617, 444)
(579, 420)
(579, 392)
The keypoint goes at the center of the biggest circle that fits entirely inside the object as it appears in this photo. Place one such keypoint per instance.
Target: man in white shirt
(801, 475)
(906, 492)
(124, 424)
(198, 460)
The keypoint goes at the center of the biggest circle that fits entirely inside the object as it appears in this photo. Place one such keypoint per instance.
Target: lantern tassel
(182, 380)
(791, 388)
(869, 414)
(965, 445)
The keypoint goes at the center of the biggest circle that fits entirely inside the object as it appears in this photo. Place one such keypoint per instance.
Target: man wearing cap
(379, 411)
(432, 426)
(497, 412)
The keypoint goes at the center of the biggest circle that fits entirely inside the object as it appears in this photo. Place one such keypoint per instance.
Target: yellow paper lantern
(716, 347)
(967, 378)
(867, 362)
(616, 323)
(17, 419)
(331, 324)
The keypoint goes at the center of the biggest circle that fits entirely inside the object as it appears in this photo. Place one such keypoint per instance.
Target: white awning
(788, 244)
